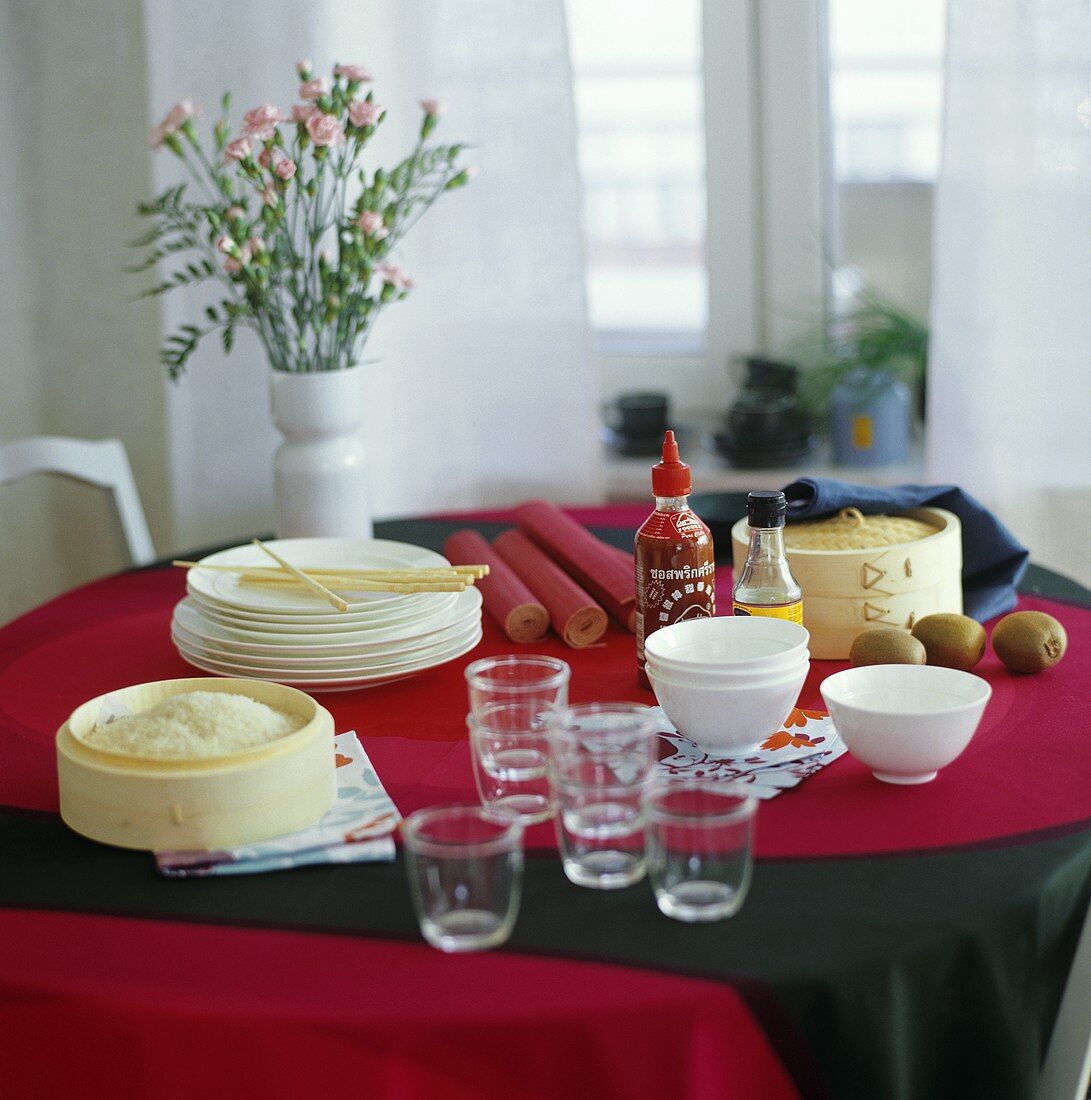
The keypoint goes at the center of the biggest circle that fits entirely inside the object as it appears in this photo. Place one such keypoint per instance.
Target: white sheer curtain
(1009, 382)
(482, 391)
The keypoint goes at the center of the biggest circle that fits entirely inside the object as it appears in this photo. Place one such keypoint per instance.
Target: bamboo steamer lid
(163, 804)
(902, 568)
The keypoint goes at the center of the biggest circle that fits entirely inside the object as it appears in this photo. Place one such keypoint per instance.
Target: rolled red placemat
(600, 568)
(506, 598)
(574, 614)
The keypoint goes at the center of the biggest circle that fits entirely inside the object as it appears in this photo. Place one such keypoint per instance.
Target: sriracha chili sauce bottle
(675, 569)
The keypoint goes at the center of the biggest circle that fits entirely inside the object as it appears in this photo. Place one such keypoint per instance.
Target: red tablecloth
(1027, 769)
(96, 1006)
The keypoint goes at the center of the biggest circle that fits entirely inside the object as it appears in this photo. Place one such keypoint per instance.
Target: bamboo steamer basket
(186, 804)
(846, 592)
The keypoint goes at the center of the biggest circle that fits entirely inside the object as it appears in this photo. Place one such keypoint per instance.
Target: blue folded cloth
(993, 559)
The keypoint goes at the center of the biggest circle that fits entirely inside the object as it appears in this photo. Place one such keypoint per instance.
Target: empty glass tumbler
(518, 677)
(699, 835)
(465, 867)
(600, 756)
(509, 746)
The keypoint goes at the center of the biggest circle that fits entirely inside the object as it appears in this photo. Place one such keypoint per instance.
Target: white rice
(193, 725)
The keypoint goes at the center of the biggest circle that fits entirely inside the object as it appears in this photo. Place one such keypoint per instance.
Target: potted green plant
(863, 378)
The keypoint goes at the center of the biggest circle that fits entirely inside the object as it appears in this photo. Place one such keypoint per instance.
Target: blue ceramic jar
(870, 419)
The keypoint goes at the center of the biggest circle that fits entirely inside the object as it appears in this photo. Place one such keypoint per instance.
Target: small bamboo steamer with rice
(180, 804)
(851, 589)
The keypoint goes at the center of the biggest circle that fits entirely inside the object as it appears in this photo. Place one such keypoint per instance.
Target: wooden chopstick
(351, 584)
(471, 571)
(330, 597)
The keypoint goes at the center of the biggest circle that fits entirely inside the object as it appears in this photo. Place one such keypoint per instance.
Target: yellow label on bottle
(793, 612)
(863, 432)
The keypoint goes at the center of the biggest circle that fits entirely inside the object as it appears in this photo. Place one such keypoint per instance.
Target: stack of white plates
(292, 637)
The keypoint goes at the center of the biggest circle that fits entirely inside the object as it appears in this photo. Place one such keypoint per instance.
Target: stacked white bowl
(727, 683)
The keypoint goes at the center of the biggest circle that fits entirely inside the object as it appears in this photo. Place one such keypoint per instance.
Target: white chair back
(97, 462)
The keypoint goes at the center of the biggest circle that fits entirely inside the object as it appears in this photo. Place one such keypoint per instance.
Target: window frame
(769, 198)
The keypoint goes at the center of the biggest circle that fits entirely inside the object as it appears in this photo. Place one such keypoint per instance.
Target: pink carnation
(434, 108)
(325, 130)
(233, 264)
(269, 195)
(255, 245)
(261, 122)
(364, 113)
(239, 149)
(285, 168)
(265, 158)
(302, 67)
(353, 72)
(393, 275)
(233, 212)
(180, 113)
(314, 89)
(303, 111)
(371, 222)
(224, 244)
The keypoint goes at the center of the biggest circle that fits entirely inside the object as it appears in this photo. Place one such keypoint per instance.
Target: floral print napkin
(805, 743)
(356, 829)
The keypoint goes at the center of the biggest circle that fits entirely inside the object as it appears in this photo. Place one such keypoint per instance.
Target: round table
(897, 942)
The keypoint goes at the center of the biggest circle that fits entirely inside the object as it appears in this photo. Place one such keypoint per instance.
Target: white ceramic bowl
(728, 676)
(905, 722)
(736, 643)
(729, 719)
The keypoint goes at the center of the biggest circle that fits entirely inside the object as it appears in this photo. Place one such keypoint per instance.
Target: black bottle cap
(765, 508)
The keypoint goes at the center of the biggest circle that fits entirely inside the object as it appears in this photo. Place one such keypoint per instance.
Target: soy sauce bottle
(675, 566)
(766, 585)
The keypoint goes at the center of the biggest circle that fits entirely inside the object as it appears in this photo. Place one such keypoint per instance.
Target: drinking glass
(699, 834)
(518, 677)
(510, 750)
(465, 867)
(600, 755)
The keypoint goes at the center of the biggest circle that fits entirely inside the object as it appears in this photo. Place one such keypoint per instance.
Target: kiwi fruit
(886, 646)
(951, 641)
(1029, 641)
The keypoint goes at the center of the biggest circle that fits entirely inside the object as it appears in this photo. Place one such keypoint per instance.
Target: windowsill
(630, 478)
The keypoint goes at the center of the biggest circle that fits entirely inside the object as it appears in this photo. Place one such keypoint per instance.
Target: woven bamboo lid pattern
(851, 530)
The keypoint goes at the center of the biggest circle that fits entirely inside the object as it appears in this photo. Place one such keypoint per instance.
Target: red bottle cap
(670, 476)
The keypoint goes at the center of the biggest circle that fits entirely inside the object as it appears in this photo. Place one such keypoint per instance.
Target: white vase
(320, 470)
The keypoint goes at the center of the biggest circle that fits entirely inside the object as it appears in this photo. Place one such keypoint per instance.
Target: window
(886, 99)
(886, 87)
(638, 92)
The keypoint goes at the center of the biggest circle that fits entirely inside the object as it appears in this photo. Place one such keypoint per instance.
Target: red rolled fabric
(602, 569)
(505, 597)
(574, 614)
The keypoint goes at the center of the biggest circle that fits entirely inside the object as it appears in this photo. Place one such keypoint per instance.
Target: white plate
(338, 683)
(344, 666)
(225, 589)
(394, 667)
(331, 626)
(204, 639)
(194, 619)
(409, 607)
